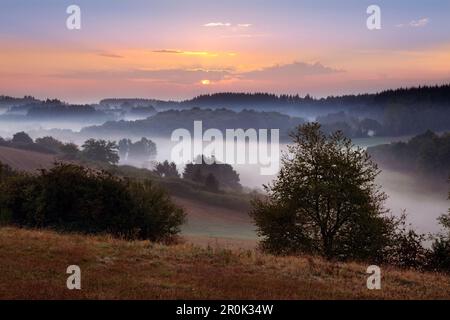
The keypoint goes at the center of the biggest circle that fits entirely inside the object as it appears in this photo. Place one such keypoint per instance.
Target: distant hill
(435, 95)
(7, 101)
(426, 156)
(402, 111)
(164, 123)
(398, 112)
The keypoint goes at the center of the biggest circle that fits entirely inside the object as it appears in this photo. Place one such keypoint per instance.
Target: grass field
(221, 215)
(206, 220)
(25, 160)
(33, 266)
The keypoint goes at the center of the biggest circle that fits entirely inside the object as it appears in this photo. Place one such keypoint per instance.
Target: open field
(213, 221)
(25, 160)
(205, 222)
(33, 265)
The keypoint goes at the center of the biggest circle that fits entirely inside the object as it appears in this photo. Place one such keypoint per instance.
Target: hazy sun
(205, 82)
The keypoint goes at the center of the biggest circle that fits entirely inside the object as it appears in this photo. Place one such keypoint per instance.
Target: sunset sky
(177, 49)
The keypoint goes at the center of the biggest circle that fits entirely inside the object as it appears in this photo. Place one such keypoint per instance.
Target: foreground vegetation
(34, 262)
(69, 197)
(325, 201)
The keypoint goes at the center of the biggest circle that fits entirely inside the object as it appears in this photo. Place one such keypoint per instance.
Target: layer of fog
(405, 193)
(38, 128)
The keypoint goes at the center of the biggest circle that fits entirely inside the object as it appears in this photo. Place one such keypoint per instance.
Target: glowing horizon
(171, 50)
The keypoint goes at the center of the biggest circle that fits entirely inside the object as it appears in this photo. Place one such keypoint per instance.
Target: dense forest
(404, 111)
(164, 123)
(400, 112)
(425, 155)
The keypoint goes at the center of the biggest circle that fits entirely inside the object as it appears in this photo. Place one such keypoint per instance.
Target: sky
(169, 49)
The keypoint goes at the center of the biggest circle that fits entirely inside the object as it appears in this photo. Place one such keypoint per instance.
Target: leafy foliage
(21, 138)
(324, 200)
(5, 172)
(426, 154)
(406, 247)
(72, 198)
(143, 149)
(167, 170)
(50, 144)
(101, 151)
(202, 167)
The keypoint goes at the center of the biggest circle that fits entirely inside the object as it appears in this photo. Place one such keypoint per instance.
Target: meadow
(34, 262)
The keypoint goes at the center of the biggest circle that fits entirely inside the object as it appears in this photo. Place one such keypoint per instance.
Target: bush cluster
(73, 198)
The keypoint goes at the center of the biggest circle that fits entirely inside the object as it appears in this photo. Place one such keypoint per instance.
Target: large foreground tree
(324, 200)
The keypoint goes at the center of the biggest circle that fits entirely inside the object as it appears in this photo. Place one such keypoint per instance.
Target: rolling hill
(25, 160)
(206, 223)
(34, 264)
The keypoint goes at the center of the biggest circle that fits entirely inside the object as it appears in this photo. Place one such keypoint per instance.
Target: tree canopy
(324, 200)
(101, 151)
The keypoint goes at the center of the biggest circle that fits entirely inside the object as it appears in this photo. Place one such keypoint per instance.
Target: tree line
(425, 155)
(102, 151)
(214, 177)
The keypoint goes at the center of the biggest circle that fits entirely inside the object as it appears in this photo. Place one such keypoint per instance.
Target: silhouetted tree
(226, 176)
(143, 149)
(50, 144)
(101, 151)
(211, 183)
(324, 200)
(21, 138)
(406, 249)
(167, 170)
(70, 151)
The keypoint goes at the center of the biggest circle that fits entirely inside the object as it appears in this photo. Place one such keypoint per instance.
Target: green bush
(440, 251)
(72, 198)
(406, 249)
(439, 258)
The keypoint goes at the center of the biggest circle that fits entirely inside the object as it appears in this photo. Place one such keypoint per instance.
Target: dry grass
(33, 265)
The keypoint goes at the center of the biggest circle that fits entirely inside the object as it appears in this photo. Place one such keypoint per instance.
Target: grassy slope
(33, 265)
(25, 160)
(209, 214)
(204, 219)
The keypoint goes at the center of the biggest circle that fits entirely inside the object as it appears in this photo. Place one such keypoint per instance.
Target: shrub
(5, 172)
(406, 248)
(158, 217)
(439, 258)
(440, 252)
(72, 198)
